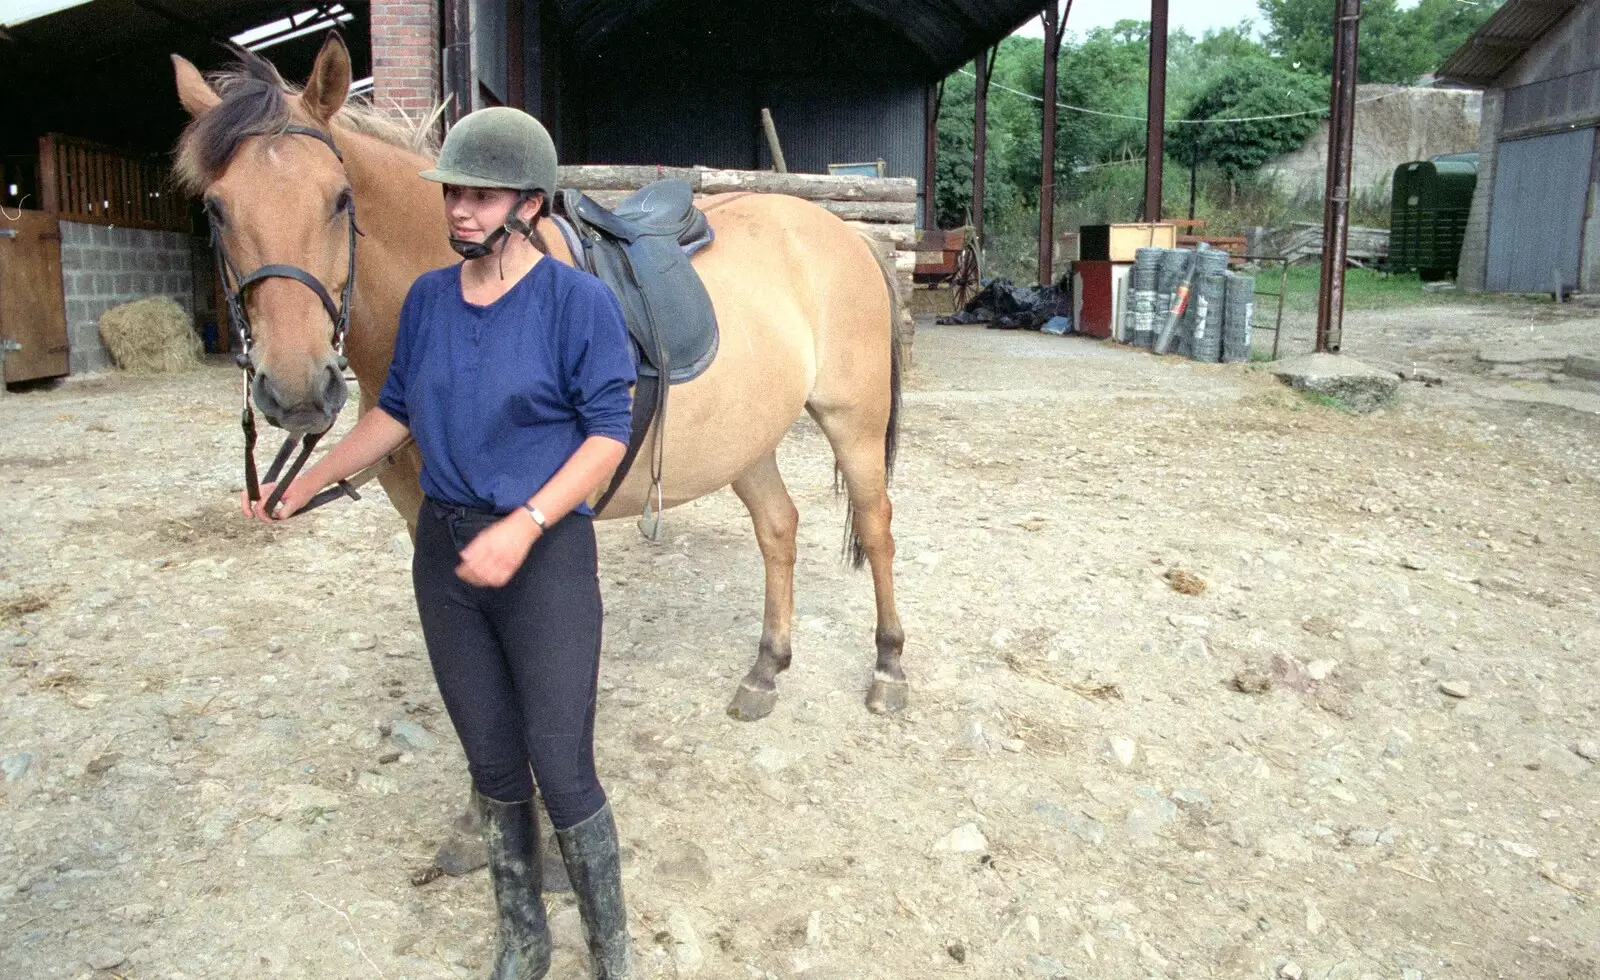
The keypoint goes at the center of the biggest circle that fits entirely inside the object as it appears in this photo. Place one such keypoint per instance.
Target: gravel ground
(1209, 681)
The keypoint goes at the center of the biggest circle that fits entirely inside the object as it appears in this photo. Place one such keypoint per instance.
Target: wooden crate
(1234, 246)
(1118, 243)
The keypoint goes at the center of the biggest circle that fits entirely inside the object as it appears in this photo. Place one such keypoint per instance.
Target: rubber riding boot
(462, 850)
(595, 867)
(554, 868)
(511, 836)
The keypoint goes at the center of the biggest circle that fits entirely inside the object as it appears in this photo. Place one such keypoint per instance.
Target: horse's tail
(854, 552)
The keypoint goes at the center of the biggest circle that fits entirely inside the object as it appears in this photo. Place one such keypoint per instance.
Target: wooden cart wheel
(967, 279)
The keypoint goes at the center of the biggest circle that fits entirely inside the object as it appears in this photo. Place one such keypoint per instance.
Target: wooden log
(812, 187)
(880, 212)
(901, 236)
(596, 177)
(773, 145)
(607, 199)
(869, 212)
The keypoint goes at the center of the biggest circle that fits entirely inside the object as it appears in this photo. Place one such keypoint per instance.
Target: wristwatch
(537, 515)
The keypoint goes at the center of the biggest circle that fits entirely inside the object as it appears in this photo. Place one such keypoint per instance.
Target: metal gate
(1536, 220)
(32, 311)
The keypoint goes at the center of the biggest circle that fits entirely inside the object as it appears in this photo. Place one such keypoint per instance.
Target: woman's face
(475, 212)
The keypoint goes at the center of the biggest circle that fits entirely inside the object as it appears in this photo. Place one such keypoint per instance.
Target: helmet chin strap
(468, 249)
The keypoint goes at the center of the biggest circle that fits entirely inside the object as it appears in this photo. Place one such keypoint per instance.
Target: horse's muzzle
(313, 409)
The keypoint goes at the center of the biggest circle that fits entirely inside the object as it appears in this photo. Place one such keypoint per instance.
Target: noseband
(234, 285)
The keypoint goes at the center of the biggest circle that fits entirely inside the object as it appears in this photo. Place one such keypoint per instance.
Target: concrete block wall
(102, 267)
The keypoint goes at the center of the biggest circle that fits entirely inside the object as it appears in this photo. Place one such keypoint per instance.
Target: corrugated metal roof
(1504, 37)
(947, 32)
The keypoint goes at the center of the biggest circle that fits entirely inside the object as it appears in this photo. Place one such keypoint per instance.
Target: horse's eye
(214, 211)
(344, 202)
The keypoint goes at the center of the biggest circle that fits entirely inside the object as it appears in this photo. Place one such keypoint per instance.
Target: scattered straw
(1091, 690)
(151, 336)
(1185, 582)
(22, 605)
(357, 936)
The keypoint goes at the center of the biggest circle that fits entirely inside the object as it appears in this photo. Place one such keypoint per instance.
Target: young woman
(512, 371)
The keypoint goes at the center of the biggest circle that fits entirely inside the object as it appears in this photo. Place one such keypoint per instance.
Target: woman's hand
(294, 498)
(491, 558)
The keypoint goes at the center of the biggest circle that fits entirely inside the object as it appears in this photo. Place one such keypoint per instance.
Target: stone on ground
(1359, 387)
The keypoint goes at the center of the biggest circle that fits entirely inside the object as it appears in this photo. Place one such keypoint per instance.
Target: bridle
(234, 285)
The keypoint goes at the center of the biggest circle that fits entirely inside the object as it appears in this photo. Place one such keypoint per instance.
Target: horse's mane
(254, 103)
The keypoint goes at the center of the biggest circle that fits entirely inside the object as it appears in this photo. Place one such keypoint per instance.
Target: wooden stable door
(32, 309)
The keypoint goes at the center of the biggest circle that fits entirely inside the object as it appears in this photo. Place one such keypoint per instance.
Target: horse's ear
(329, 83)
(193, 91)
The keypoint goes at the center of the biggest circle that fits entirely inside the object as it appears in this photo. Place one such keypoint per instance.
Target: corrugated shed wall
(1553, 88)
(822, 121)
(1557, 83)
(688, 122)
(672, 121)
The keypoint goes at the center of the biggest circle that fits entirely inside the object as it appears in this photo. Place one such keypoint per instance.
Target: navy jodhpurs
(517, 666)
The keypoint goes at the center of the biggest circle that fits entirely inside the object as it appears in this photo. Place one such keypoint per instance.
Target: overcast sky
(1194, 16)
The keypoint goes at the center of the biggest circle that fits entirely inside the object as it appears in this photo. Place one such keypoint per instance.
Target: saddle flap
(641, 250)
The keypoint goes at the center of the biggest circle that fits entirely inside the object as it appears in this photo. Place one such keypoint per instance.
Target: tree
(1446, 24)
(1247, 88)
(1226, 43)
(1396, 45)
(1013, 127)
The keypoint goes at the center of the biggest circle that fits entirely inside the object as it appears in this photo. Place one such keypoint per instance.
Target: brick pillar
(405, 56)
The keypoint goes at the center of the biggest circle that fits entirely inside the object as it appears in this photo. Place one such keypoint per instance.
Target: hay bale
(151, 336)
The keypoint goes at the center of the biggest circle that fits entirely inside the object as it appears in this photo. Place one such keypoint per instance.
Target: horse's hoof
(461, 854)
(888, 697)
(751, 704)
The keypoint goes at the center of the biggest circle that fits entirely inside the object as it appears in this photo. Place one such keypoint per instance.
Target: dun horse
(805, 308)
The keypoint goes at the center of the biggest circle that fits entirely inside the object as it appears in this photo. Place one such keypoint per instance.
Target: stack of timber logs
(882, 208)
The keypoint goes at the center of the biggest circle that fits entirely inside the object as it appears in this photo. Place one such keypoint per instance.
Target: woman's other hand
(490, 559)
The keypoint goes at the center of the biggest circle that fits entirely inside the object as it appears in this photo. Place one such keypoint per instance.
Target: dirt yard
(1209, 681)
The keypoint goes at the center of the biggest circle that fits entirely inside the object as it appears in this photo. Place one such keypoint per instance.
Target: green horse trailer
(1428, 216)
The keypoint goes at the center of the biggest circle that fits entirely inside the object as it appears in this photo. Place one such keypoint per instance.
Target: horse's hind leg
(862, 450)
(776, 521)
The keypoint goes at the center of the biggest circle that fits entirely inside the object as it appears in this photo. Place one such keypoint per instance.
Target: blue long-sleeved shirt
(498, 397)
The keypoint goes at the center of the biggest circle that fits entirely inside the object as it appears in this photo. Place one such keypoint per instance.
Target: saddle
(641, 250)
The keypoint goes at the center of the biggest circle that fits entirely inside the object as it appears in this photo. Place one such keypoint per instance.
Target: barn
(91, 219)
(683, 83)
(1535, 222)
(86, 88)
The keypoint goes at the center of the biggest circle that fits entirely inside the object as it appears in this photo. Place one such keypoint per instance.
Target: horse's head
(279, 202)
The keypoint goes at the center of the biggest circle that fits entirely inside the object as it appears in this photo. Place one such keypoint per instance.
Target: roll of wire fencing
(1239, 306)
(1146, 278)
(1174, 263)
(1205, 342)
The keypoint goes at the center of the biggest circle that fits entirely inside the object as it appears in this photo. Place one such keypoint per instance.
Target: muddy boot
(462, 850)
(554, 868)
(595, 867)
(512, 838)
